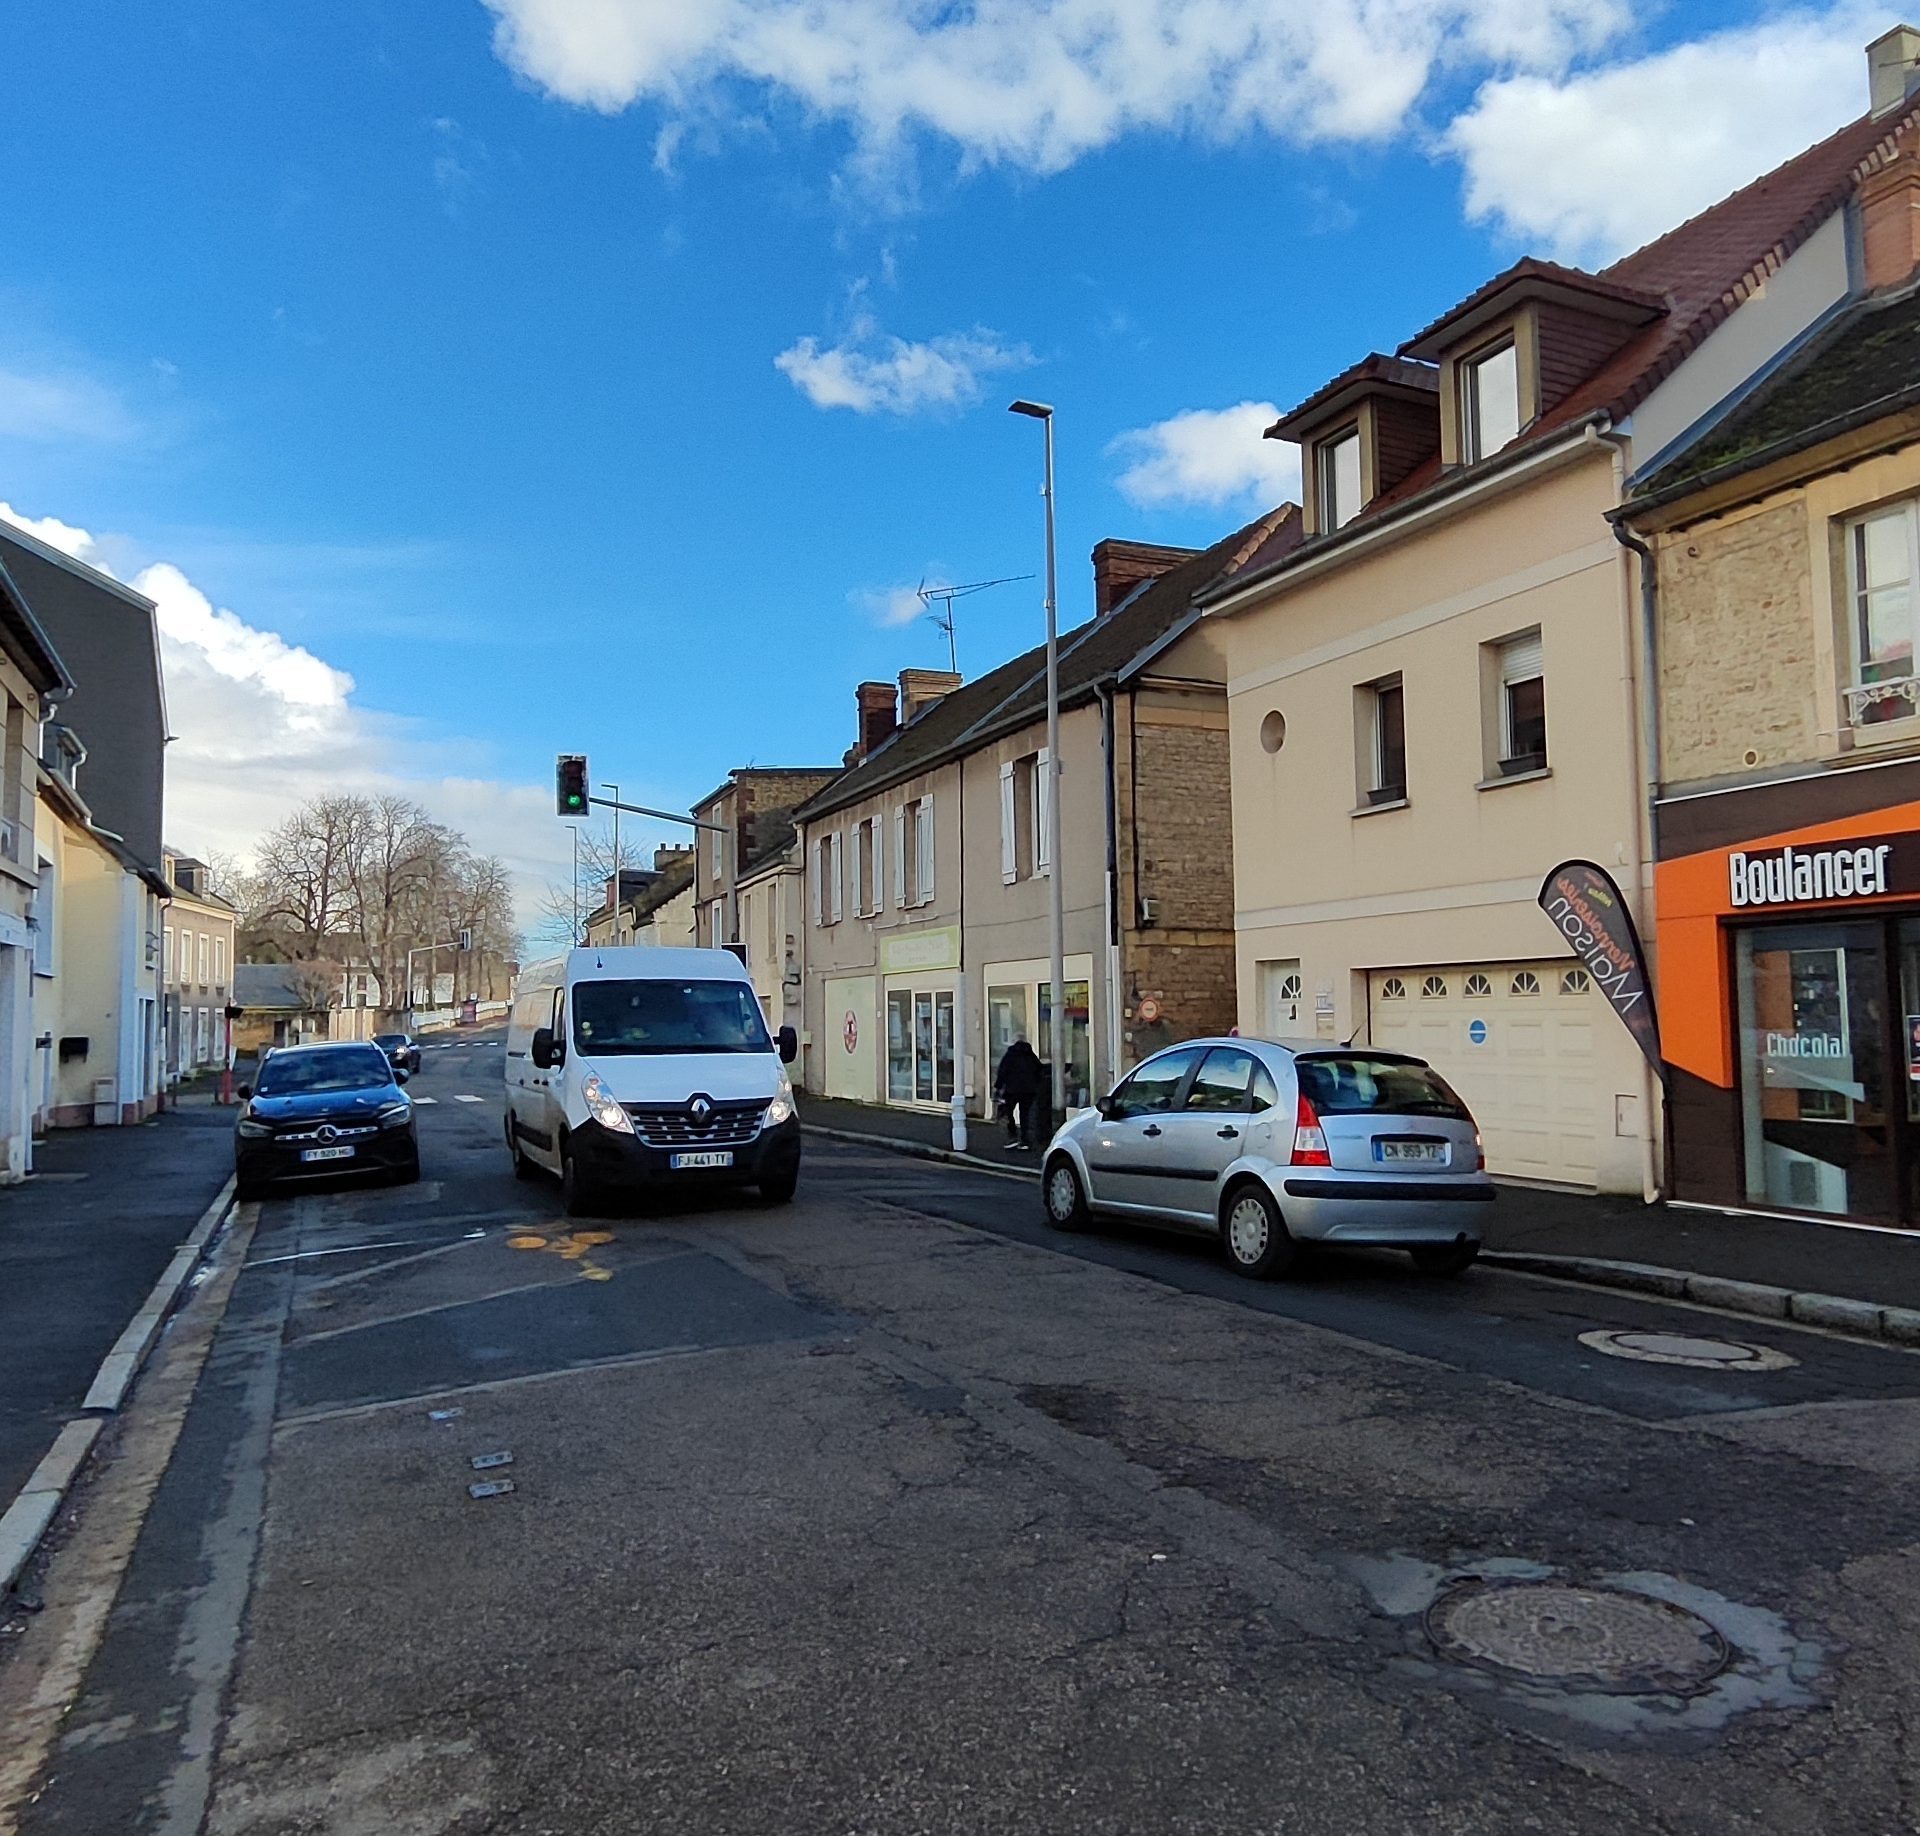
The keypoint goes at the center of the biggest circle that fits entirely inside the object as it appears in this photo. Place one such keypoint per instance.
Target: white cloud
(895, 605)
(56, 405)
(1039, 84)
(260, 724)
(1589, 166)
(872, 372)
(1210, 457)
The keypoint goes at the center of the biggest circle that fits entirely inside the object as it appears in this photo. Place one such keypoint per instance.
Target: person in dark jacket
(1018, 1084)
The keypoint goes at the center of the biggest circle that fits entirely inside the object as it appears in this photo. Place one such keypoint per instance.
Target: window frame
(1326, 477)
(1511, 672)
(1899, 693)
(1473, 447)
(1380, 790)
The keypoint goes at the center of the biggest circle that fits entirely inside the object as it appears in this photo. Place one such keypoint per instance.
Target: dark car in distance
(323, 1110)
(402, 1050)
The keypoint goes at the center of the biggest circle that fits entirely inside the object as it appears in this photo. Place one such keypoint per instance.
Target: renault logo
(702, 1108)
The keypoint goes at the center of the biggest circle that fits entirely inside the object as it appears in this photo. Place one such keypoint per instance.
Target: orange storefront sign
(1853, 863)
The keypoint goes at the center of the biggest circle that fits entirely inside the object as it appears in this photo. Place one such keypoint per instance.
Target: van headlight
(601, 1106)
(779, 1110)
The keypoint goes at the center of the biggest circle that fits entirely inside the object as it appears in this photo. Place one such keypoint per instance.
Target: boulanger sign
(1590, 912)
(1863, 869)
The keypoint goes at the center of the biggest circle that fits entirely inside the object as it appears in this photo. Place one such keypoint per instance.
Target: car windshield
(661, 1017)
(301, 1073)
(1356, 1083)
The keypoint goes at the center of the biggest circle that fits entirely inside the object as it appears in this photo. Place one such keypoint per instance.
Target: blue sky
(592, 374)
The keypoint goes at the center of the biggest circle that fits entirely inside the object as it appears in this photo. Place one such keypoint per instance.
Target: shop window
(1575, 982)
(1479, 986)
(1079, 1039)
(1009, 1017)
(1525, 982)
(1393, 989)
(1433, 988)
(920, 1056)
(1883, 594)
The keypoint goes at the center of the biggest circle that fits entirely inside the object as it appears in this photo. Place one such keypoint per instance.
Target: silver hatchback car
(1275, 1143)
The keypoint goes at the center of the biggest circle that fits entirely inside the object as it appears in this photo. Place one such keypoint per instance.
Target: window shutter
(835, 880)
(1009, 821)
(925, 886)
(900, 857)
(818, 878)
(1042, 812)
(1521, 658)
(875, 892)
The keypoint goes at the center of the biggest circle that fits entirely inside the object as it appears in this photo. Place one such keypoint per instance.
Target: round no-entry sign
(850, 1031)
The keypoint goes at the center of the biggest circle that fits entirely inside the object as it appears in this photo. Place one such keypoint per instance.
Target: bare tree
(302, 883)
(554, 920)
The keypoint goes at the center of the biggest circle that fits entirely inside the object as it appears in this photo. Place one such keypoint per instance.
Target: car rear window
(1352, 1084)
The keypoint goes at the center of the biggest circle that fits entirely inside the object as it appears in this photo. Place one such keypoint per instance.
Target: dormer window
(1489, 401)
(1337, 462)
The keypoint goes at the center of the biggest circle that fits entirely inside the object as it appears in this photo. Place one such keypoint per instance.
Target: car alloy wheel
(1256, 1237)
(1066, 1203)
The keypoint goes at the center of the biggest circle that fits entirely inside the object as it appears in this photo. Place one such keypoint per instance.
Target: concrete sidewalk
(82, 1243)
(1618, 1242)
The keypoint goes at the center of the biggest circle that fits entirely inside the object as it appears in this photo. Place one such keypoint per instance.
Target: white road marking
(464, 1098)
(420, 1100)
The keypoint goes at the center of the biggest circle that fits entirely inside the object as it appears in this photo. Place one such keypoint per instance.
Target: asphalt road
(894, 1511)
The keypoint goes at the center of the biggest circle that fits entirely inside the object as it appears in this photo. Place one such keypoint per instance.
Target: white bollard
(958, 1110)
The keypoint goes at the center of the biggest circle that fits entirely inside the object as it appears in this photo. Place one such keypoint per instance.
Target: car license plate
(711, 1158)
(337, 1153)
(1431, 1153)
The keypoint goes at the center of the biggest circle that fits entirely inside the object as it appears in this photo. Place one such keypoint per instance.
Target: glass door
(1817, 1128)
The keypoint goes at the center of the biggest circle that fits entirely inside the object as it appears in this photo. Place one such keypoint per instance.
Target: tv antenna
(944, 596)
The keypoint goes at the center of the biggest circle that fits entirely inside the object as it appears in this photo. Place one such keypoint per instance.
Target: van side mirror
(541, 1051)
(788, 1042)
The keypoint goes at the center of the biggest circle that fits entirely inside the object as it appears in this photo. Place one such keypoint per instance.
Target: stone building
(927, 863)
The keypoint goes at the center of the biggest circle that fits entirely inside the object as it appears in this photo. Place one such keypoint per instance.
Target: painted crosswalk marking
(417, 1101)
(464, 1098)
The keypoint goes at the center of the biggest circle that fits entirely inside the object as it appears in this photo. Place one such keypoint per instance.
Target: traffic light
(570, 783)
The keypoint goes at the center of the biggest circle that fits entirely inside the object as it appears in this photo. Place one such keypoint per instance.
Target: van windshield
(661, 1017)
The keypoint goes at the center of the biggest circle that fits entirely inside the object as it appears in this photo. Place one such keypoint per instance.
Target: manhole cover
(1590, 1638)
(1684, 1348)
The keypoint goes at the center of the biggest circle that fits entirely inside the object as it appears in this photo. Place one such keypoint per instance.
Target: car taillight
(1309, 1138)
(1479, 1154)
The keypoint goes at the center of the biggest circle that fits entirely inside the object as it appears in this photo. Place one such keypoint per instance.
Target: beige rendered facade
(773, 932)
(197, 958)
(1411, 923)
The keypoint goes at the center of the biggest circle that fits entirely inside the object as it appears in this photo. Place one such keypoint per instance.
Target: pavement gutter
(25, 1520)
(1835, 1313)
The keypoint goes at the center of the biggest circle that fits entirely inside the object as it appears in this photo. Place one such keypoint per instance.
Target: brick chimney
(1119, 567)
(671, 854)
(921, 688)
(1893, 68)
(879, 713)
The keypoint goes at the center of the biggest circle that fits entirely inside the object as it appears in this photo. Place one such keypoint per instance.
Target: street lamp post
(613, 898)
(1056, 907)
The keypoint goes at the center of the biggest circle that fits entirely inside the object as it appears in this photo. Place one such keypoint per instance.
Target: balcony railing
(1894, 699)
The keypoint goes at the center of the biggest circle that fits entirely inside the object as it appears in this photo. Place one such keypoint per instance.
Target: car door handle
(1152, 1128)
(1228, 1134)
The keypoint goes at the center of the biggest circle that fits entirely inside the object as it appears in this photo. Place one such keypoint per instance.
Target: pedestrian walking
(1018, 1084)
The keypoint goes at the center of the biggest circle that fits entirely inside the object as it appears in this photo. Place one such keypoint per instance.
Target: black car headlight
(250, 1130)
(396, 1115)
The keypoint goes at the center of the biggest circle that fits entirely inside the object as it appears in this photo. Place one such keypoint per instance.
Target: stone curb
(918, 1150)
(26, 1519)
(1857, 1318)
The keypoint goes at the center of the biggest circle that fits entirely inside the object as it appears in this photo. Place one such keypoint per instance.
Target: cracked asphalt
(892, 1511)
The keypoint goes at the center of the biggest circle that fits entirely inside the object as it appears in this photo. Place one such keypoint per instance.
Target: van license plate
(1428, 1152)
(345, 1153)
(710, 1159)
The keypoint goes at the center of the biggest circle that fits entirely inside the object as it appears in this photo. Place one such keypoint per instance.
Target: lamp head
(1038, 411)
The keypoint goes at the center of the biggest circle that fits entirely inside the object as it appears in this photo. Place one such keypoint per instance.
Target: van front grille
(674, 1125)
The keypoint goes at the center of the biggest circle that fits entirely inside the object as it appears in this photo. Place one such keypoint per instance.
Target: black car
(402, 1050)
(324, 1109)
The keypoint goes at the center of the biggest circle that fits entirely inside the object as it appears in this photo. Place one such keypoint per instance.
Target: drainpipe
(1638, 680)
(1107, 734)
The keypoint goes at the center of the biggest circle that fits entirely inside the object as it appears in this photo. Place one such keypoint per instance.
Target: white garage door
(1516, 1040)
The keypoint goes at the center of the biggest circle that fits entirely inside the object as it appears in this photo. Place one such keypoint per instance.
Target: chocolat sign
(1866, 867)
(1591, 913)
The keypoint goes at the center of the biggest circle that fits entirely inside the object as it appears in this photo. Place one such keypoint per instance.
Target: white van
(643, 1067)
